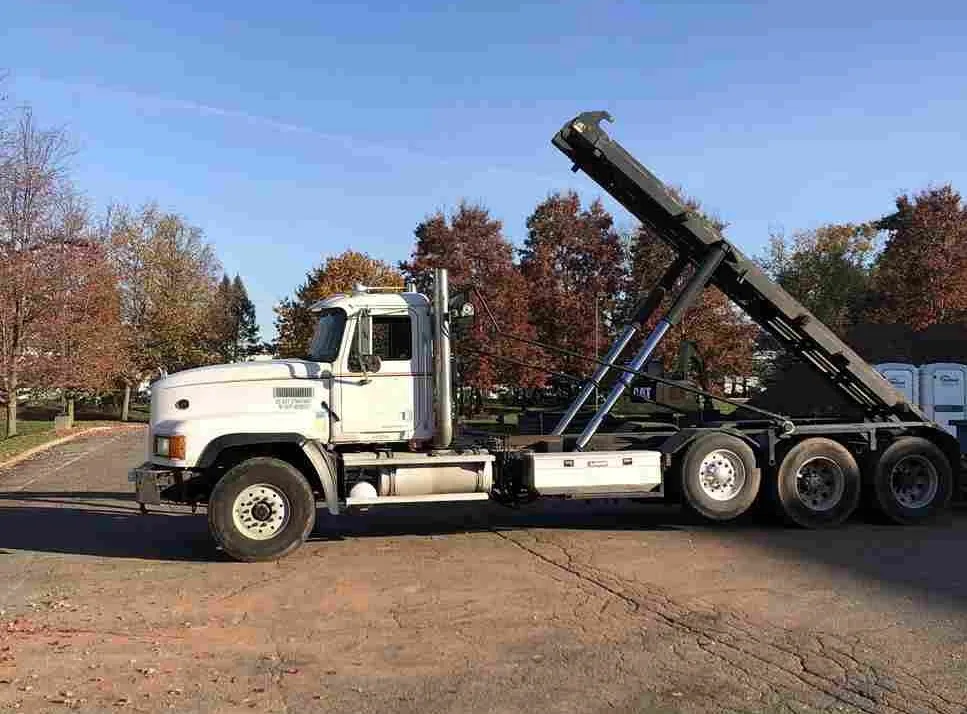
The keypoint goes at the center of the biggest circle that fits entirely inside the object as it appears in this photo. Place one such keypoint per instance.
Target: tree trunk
(126, 404)
(70, 410)
(11, 403)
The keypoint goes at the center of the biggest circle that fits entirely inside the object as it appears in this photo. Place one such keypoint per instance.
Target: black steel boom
(589, 147)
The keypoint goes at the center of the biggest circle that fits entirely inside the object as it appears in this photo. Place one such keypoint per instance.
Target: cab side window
(392, 337)
(392, 340)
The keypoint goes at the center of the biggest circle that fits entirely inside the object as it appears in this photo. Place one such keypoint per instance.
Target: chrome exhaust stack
(442, 376)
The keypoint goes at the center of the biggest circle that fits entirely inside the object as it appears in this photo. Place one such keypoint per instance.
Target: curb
(23, 456)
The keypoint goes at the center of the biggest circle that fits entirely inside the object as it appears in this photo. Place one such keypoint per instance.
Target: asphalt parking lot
(561, 608)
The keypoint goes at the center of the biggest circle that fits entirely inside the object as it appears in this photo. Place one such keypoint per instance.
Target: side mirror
(364, 334)
(370, 363)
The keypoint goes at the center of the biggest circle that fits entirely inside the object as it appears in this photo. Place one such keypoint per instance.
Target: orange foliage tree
(722, 335)
(920, 278)
(168, 277)
(336, 274)
(79, 347)
(575, 267)
(471, 245)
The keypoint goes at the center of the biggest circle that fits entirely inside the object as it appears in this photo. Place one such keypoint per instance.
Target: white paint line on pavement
(47, 445)
(60, 467)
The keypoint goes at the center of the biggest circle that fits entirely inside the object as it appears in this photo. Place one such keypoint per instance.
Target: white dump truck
(366, 419)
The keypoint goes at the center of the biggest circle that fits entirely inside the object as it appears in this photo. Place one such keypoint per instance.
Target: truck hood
(246, 372)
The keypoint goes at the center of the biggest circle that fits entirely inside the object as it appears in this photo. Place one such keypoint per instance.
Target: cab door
(377, 404)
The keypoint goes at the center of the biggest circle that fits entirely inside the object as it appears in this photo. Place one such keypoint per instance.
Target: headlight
(169, 447)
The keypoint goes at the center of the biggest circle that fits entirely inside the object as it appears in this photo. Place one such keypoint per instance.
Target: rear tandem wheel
(912, 481)
(817, 484)
(720, 479)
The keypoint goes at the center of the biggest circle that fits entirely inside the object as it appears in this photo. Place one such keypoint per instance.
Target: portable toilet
(943, 393)
(903, 377)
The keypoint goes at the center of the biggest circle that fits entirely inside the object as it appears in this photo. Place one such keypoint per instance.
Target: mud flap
(322, 462)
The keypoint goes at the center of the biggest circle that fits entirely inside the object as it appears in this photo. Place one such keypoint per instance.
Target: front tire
(261, 509)
(912, 481)
(720, 479)
(818, 484)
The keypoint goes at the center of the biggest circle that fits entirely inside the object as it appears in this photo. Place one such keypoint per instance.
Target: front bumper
(148, 480)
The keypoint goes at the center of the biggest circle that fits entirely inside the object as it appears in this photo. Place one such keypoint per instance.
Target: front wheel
(818, 484)
(912, 481)
(261, 509)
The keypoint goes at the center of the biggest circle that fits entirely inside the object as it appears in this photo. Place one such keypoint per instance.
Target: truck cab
(367, 379)
(363, 420)
(378, 350)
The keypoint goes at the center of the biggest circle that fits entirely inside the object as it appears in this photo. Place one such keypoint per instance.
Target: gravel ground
(560, 608)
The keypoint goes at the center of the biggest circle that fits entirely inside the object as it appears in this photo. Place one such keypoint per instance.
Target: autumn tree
(33, 186)
(167, 276)
(826, 269)
(79, 348)
(574, 263)
(471, 245)
(722, 335)
(920, 278)
(337, 274)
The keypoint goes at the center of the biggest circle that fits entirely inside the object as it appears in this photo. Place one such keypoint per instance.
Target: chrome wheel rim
(721, 475)
(260, 511)
(914, 481)
(820, 483)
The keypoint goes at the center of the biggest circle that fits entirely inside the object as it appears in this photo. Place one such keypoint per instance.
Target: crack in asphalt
(861, 686)
(46, 631)
(235, 592)
(279, 673)
(570, 569)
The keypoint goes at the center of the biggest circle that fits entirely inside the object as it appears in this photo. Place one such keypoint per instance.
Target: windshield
(328, 335)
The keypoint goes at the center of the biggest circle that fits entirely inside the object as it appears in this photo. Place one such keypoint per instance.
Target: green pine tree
(245, 328)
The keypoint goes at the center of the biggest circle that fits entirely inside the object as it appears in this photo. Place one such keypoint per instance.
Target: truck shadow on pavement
(108, 524)
(101, 524)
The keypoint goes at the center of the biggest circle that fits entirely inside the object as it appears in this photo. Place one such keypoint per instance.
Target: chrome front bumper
(148, 480)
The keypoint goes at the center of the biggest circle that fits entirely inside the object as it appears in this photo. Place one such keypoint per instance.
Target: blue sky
(293, 130)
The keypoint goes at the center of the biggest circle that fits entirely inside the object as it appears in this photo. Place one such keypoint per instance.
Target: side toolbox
(594, 473)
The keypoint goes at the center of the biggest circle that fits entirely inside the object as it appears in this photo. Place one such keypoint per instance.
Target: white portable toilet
(943, 393)
(903, 377)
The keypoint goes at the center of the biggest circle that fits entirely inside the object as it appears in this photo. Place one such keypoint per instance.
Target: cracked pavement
(558, 608)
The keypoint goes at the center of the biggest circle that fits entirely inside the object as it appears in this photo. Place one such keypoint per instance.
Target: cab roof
(365, 298)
